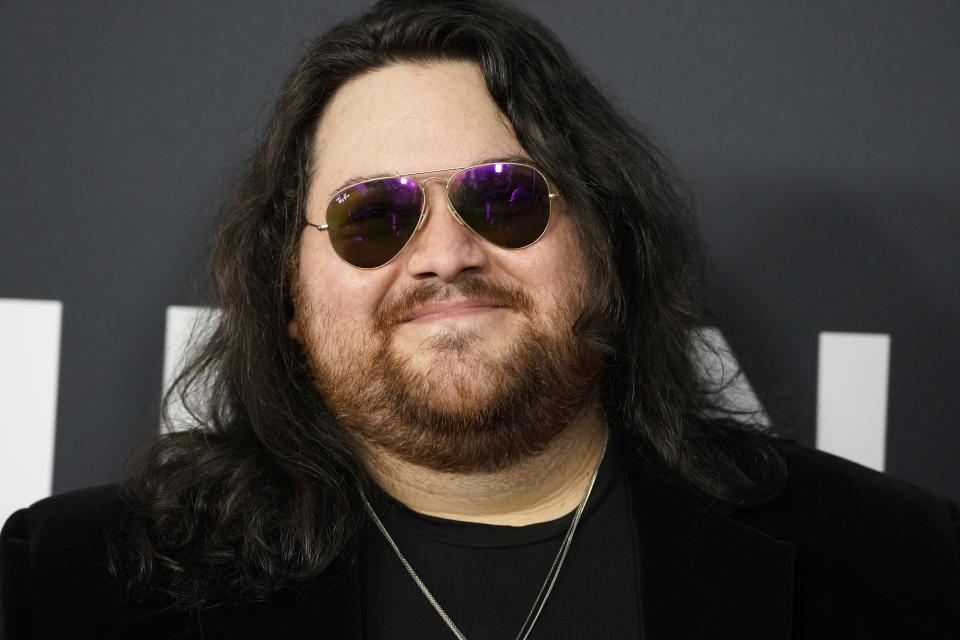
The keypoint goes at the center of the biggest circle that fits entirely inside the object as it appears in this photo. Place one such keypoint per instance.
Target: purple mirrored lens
(507, 204)
(369, 223)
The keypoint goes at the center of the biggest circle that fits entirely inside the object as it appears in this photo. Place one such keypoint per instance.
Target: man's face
(488, 369)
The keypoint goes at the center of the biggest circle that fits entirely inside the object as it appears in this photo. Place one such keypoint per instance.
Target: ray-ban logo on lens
(342, 198)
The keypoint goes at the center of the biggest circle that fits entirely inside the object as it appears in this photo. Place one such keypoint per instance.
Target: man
(450, 394)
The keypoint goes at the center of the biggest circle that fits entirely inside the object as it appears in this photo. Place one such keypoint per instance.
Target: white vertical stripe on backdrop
(29, 373)
(186, 328)
(852, 396)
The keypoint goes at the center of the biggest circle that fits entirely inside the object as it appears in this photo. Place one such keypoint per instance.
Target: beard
(460, 409)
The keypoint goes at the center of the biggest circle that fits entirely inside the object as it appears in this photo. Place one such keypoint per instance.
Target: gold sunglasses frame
(425, 211)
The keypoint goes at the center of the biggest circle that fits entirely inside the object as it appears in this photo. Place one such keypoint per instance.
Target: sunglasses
(369, 223)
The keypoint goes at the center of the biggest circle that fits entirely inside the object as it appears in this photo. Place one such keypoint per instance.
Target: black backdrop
(821, 139)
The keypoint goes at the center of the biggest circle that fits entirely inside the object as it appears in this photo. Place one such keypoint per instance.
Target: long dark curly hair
(262, 490)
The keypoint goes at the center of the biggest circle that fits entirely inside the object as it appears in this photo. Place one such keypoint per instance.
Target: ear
(293, 329)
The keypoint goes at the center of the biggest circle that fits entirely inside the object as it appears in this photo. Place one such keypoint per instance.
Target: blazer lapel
(703, 574)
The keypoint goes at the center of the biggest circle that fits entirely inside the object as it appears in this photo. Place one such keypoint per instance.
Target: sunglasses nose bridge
(446, 196)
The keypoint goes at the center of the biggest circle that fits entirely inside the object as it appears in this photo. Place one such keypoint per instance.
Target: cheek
(341, 291)
(316, 258)
(561, 274)
(556, 262)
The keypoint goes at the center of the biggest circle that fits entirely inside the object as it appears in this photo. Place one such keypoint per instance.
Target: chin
(449, 348)
(458, 386)
(466, 396)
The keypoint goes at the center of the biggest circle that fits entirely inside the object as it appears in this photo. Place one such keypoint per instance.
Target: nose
(443, 247)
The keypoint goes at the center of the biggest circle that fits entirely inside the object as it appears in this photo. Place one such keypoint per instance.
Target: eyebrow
(349, 182)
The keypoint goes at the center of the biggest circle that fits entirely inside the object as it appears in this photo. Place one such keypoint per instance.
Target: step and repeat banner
(821, 143)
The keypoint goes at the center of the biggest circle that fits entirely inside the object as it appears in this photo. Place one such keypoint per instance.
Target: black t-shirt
(486, 577)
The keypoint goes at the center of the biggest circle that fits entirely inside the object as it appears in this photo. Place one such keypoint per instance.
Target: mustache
(392, 311)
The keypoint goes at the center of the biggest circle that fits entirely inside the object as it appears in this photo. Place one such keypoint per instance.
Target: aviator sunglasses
(505, 203)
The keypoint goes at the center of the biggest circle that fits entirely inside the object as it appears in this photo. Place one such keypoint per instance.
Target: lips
(450, 308)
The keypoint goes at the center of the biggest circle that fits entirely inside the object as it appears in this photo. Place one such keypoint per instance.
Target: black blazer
(843, 552)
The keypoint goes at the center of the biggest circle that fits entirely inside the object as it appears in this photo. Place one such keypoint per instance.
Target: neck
(541, 488)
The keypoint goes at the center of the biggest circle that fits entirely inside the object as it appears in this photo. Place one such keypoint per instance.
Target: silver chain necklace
(545, 590)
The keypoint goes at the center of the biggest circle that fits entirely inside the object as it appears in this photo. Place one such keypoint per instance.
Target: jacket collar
(703, 574)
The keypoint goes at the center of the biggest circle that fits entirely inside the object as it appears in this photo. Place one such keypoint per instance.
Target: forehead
(407, 118)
